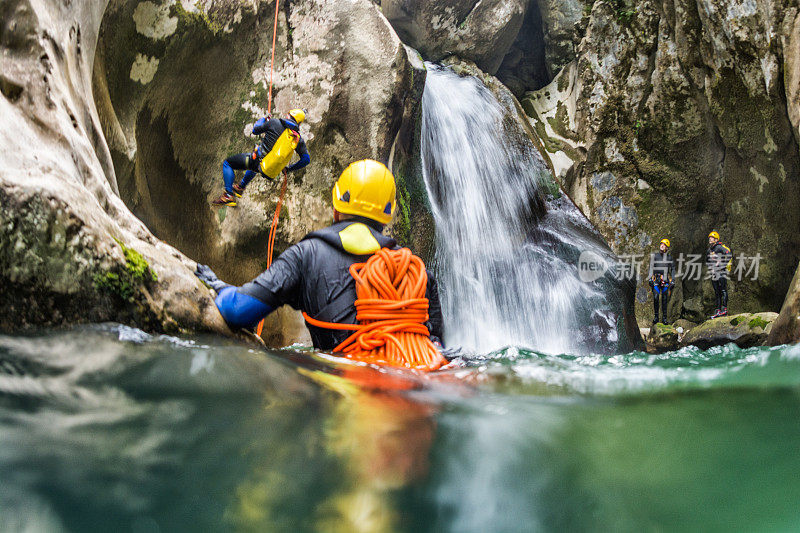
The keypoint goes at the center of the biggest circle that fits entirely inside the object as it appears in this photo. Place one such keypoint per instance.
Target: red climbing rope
(277, 214)
(272, 61)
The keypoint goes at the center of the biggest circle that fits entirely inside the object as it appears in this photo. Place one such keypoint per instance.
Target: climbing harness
(391, 310)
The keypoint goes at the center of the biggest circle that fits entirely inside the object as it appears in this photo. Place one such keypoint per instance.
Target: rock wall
(787, 326)
(206, 84)
(70, 251)
(178, 91)
(479, 31)
(676, 118)
(116, 110)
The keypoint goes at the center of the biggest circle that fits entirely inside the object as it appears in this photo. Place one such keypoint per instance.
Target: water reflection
(161, 434)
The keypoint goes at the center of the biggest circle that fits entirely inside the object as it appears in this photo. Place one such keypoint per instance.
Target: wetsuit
(270, 130)
(718, 259)
(313, 276)
(661, 272)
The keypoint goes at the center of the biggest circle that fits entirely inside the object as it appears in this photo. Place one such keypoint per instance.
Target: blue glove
(208, 277)
(258, 127)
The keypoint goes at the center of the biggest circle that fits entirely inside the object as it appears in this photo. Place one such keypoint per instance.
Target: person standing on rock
(279, 139)
(314, 275)
(719, 260)
(661, 282)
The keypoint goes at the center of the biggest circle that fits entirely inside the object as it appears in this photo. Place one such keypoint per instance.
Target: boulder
(70, 250)
(745, 330)
(662, 338)
(682, 325)
(786, 328)
(481, 32)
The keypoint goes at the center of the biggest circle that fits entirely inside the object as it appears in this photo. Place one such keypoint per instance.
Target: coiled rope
(391, 310)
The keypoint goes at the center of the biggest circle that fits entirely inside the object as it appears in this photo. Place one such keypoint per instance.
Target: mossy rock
(745, 330)
(662, 338)
(683, 323)
(126, 280)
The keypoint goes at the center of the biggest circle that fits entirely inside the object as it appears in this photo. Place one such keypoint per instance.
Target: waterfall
(506, 254)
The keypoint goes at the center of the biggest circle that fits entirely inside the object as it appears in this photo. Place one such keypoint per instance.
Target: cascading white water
(504, 275)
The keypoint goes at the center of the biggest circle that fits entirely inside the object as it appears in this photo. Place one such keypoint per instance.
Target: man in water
(661, 269)
(719, 259)
(279, 137)
(313, 275)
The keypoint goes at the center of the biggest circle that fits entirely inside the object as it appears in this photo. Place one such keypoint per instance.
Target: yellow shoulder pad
(357, 239)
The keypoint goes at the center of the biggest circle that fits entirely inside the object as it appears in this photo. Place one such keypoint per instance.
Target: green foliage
(664, 329)
(124, 281)
(402, 221)
(625, 13)
(199, 17)
(758, 322)
(548, 185)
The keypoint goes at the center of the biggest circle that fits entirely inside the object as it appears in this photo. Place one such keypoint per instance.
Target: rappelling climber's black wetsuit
(270, 130)
(313, 276)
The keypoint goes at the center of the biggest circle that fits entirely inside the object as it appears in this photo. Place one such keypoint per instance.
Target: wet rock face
(175, 92)
(70, 251)
(563, 26)
(478, 31)
(680, 117)
(787, 326)
(179, 91)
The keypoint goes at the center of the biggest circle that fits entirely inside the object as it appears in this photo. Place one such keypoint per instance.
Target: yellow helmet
(365, 188)
(665, 241)
(298, 115)
(714, 234)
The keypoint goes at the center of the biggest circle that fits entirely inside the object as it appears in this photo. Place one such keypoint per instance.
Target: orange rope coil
(391, 310)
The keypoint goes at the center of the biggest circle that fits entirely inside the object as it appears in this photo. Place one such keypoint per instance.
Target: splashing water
(507, 268)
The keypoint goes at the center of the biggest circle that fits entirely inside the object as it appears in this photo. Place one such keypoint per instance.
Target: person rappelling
(280, 138)
(361, 294)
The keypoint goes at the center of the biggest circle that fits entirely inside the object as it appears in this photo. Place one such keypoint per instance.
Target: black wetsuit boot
(723, 283)
(718, 285)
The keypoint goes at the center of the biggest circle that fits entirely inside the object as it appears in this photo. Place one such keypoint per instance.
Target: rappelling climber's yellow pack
(281, 153)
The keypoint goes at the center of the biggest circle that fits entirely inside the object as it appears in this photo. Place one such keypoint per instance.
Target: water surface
(108, 428)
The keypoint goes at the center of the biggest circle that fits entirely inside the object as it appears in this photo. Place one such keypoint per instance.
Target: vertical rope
(277, 214)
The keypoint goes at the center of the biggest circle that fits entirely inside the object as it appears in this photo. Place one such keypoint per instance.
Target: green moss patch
(124, 281)
(758, 322)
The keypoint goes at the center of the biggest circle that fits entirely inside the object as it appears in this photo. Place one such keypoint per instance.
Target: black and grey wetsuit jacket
(313, 276)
